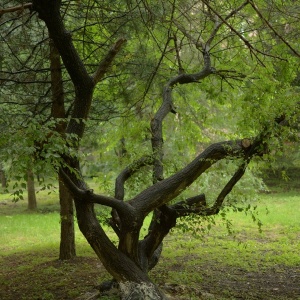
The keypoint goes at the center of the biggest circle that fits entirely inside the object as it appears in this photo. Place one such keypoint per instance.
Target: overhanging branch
(167, 215)
(197, 205)
(164, 191)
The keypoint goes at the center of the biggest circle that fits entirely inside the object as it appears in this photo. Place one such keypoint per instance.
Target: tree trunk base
(131, 290)
(140, 291)
(93, 295)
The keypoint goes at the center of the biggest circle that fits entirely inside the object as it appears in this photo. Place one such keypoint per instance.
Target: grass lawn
(245, 265)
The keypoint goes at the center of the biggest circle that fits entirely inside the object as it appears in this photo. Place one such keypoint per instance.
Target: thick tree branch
(162, 215)
(164, 191)
(189, 206)
(157, 134)
(164, 220)
(49, 12)
(125, 228)
(167, 107)
(167, 216)
(89, 196)
(197, 205)
(146, 160)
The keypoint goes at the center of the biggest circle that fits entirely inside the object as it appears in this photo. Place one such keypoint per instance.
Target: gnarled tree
(241, 26)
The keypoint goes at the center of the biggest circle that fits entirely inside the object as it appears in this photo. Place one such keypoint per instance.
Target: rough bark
(67, 248)
(58, 99)
(32, 204)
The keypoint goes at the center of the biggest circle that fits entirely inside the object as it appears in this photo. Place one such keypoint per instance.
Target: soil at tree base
(75, 279)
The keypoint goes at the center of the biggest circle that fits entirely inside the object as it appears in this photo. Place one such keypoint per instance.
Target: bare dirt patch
(278, 282)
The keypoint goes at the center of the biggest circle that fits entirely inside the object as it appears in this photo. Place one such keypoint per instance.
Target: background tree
(27, 56)
(32, 205)
(221, 46)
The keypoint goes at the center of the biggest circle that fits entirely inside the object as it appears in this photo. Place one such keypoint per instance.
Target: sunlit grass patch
(247, 247)
(25, 231)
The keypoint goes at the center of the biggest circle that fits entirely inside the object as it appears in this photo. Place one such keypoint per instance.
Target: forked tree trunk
(67, 233)
(134, 283)
(32, 205)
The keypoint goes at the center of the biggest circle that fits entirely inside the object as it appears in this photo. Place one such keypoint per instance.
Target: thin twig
(271, 27)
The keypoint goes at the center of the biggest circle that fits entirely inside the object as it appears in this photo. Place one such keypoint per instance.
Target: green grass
(25, 231)
(247, 247)
(246, 250)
